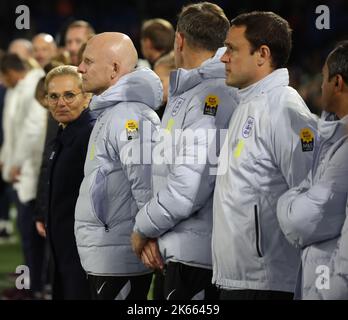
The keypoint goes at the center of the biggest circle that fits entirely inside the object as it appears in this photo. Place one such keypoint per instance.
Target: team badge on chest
(307, 139)
(210, 105)
(248, 127)
(178, 103)
(132, 129)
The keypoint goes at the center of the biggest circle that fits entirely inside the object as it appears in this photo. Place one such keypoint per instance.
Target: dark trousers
(158, 286)
(183, 282)
(255, 295)
(33, 245)
(70, 286)
(120, 288)
(5, 199)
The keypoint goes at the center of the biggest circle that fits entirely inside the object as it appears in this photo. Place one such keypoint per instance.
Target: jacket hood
(329, 125)
(182, 80)
(141, 86)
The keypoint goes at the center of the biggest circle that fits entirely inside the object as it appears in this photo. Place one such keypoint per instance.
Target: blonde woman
(68, 104)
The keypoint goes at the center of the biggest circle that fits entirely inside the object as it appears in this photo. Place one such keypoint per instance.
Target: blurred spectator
(157, 39)
(21, 156)
(80, 53)
(22, 47)
(163, 68)
(5, 223)
(44, 48)
(78, 33)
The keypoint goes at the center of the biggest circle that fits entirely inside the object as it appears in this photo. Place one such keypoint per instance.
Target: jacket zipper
(257, 230)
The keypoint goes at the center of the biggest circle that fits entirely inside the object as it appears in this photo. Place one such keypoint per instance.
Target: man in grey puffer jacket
(312, 215)
(180, 214)
(271, 138)
(117, 179)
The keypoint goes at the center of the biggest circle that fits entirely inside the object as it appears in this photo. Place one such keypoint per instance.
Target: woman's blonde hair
(63, 71)
(167, 60)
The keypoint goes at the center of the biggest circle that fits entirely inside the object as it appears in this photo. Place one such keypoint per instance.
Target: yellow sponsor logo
(212, 101)
(306, 135)
(92, 152)
(211, 104)
(170, 124)
(239, 149)
(132, 125)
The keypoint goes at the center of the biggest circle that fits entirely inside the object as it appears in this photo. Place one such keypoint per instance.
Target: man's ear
(115, 69)
(263, 55)
(179, 38)
(339, 83)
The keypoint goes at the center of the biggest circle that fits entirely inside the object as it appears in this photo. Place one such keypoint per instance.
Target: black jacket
(41, 203)
(65, 172)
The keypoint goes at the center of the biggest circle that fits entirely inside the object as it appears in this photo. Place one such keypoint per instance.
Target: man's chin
(85, 88)
(229, 82)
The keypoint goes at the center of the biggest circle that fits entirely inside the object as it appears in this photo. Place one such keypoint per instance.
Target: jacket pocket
(99, 201)
(257, 232)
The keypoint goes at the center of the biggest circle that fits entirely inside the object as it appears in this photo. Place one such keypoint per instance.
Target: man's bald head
(108, 56)
(116, 47)
(45, 48)
(22, 47)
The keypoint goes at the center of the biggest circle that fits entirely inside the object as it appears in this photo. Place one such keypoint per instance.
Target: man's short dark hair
(204, 25)
(11, 61)
(267, 28)
(160, 32)
(337, 61)
(82, 24)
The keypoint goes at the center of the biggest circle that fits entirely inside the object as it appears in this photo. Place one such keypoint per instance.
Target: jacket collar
(278, 78)
(67, 135)
(330, 127)
(139, 86)
(182, 80)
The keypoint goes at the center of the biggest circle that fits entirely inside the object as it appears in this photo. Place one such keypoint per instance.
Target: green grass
(10, 257)
(150, 294)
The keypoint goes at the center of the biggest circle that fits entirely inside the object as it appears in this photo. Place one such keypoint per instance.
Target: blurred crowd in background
(310, 45)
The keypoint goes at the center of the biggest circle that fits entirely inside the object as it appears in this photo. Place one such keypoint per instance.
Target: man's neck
(342, 109)
(193, 59)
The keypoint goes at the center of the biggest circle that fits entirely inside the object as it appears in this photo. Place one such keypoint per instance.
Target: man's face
(327, 90)
(240, 64)
(21, 50)
(96, 69)
(146, 48)
(74, 39)
(44, 51)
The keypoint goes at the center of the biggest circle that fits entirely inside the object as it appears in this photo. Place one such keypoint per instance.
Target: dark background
(310, 45)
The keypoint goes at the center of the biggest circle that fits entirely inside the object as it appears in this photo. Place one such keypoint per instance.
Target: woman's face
(65, 98)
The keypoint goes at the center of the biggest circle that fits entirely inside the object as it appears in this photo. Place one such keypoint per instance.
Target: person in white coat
(24, 132)
(312, 214)
(176, 224)
(269, 149)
